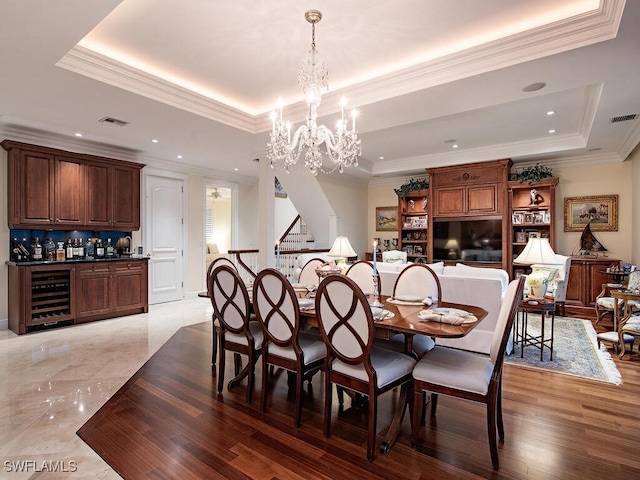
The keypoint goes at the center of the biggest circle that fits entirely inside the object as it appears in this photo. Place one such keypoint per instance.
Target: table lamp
(452, 246)
(342, 249)
(542, 259)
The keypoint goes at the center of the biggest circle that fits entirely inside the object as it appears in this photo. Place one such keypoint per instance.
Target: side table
(546, 309)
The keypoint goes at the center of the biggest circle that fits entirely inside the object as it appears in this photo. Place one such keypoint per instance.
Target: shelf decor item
(531, 174)
(412, 185)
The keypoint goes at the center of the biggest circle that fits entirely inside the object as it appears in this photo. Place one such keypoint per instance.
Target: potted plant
(532, 174)
(412, 185)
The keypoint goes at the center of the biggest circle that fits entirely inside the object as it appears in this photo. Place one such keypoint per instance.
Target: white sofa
(483, 287)
(303, 258)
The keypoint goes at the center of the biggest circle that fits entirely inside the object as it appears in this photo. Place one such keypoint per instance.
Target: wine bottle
(89, 250)
(69, 250)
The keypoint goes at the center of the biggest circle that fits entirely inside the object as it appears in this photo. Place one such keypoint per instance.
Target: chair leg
(499, 412)
(251, 373)
(265, 382)
(327, 405)
(299, 379)
(371, 434)
(221, 364)
(434, 404)
(419, 398)
(491, 428)
(237, 363)
(214, 349)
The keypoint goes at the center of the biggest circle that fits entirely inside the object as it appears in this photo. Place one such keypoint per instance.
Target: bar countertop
(74, 261)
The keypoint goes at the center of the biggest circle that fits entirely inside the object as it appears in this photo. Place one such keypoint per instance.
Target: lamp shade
(539, 251)
(341, 248)
(452, 244)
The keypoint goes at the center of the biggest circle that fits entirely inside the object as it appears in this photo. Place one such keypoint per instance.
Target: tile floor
(52, 382)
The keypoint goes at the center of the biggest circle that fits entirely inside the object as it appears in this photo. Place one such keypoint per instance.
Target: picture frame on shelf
(528, 218)
(517, 218)
(538, 218)
(386, 219)
(600, 212)
(521, 237)
(546, 217)
(518, 272)
(534, 234)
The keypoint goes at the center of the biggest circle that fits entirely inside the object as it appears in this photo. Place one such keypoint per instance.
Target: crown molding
(105, 69)
(567, 34)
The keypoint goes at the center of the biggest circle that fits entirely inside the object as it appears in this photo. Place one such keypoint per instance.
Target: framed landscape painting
(600, 212)
(386, 219)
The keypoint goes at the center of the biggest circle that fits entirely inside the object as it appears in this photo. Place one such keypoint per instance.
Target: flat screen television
(467, 241)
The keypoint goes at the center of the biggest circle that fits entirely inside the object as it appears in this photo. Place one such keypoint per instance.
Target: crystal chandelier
(342, 147)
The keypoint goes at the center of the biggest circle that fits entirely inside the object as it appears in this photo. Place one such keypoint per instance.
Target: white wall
(4, 240)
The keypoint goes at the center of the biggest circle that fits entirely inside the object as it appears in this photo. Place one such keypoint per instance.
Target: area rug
(575, 351)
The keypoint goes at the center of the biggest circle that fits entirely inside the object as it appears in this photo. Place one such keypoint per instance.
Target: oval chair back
(361, 272)
(420, 280)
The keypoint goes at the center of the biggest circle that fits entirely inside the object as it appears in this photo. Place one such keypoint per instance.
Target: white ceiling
(202, 76)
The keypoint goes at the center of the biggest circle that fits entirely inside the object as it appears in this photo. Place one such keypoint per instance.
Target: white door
(164, 237)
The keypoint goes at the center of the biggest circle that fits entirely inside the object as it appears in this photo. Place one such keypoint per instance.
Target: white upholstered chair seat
(389, 366)
(608, 302)
(477, 370)
(632, 325)
(312, 347)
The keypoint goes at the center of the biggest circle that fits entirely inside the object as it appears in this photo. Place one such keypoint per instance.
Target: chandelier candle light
(343, 147)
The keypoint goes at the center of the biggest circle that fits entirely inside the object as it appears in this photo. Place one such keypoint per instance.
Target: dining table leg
(394, 429)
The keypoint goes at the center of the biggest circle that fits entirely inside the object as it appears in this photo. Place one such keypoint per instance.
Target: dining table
(406, 318)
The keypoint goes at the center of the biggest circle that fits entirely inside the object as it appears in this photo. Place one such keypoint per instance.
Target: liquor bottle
(60, 253)
(99, 249)
(49, 249)
(75, 248)
(109, 250)
(36, 250)
(81, 250)
(69, 250)
(89, 250)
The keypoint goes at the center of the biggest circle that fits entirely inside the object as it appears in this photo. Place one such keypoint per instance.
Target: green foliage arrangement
(532, 174)
(411, 186)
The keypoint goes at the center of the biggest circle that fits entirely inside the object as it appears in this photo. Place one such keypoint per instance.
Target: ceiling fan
(215, 194)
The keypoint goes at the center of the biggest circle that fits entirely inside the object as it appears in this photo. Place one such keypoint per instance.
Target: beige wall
(247, 217)
(606, 179)
(194, 255)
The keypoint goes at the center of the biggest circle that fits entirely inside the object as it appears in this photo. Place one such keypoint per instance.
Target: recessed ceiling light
(78, 134)
(552, 131)
(455, 145)
(236, 169)
(154, 141)
(179, 156)
(534, 87)
(551, 112)
(381, 158)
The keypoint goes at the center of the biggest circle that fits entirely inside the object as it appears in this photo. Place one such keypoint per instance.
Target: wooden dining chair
(420, 281)
(361, 272)
(216, 325)
(353, 363)
(466, 375)
(284, 345)
(308, 275)
(238, 334)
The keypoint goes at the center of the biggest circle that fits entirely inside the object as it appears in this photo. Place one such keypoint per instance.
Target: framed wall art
(386, 219)
(600, 212)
